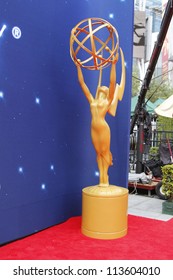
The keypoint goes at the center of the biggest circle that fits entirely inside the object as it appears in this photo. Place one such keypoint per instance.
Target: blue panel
(46, 154)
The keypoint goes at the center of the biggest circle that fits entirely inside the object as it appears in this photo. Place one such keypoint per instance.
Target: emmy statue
(94, 45)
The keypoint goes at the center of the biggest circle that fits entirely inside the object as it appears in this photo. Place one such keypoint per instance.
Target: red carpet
(147, 239)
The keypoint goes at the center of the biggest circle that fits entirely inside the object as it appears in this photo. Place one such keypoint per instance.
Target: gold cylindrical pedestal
(104, 212)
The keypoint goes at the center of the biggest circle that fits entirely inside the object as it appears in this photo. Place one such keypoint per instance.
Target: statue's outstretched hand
(115, 58)
(77, 62)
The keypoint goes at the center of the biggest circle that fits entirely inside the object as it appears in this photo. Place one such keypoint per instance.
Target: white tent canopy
(165, 109)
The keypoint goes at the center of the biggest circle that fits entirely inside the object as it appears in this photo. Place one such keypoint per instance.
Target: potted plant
(167, 189)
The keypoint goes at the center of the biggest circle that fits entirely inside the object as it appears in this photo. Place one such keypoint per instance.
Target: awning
(165, 109)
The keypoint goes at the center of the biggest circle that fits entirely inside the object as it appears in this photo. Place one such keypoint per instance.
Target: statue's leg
(103, 166)
(105, 171)
(100, 167)
(106, 162)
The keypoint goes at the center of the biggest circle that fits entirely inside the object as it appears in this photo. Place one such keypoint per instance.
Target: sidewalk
(145, 206)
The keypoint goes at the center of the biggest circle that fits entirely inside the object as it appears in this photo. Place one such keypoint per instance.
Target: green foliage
(167, 181)
(159, 90)
(165, 124)
(135, 81)
(154, 152)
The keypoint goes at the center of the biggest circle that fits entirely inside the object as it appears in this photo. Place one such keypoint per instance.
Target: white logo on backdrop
(2, 30)
(16, 32)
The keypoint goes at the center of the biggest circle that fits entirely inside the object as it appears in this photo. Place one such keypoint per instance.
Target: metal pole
(140, 144)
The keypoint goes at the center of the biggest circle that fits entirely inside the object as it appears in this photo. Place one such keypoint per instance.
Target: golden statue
(102, 54)
(94, 45)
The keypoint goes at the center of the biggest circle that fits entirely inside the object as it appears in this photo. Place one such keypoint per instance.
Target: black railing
(157, 137)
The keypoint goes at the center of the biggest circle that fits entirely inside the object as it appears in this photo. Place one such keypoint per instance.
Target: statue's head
(103, 92)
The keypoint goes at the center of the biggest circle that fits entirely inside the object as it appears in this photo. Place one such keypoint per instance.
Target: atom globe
(93, 43)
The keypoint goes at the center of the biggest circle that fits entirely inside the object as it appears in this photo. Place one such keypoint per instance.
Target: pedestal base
(104, 212)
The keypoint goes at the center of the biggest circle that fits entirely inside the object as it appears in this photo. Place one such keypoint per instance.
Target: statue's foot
(104, 185)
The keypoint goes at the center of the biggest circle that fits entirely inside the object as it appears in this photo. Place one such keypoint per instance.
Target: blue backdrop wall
(46, 154)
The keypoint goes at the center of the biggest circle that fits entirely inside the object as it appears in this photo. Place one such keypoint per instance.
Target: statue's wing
(119, 89)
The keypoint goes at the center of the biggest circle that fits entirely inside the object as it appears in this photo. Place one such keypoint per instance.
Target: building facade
(149, 13)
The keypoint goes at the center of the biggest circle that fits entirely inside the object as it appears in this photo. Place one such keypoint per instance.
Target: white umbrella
(165, 109)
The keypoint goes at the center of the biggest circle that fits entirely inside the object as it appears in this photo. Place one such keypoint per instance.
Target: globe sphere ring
(98, 51)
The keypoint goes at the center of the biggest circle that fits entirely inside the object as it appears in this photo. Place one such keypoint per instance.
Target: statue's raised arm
(83, 85)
